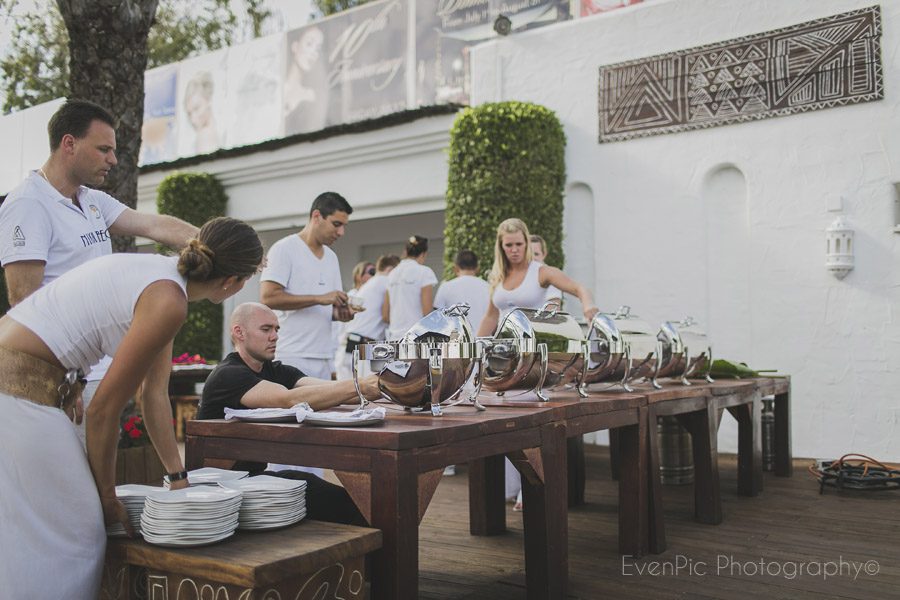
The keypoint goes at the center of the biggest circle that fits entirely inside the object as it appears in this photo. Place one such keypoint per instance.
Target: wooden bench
(310, 560)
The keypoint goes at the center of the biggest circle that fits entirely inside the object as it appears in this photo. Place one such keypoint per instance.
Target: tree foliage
(507, 159)
(195, 198)
(35, 68)
(330, 7)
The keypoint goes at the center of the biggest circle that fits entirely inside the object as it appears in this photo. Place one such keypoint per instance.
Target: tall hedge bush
(507, 159)
(196, 198)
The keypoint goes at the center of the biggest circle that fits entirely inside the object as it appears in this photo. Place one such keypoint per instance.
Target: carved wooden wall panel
(833, 61)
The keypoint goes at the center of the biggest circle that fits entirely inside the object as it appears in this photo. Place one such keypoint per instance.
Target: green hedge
(196, 198)
(507, 159)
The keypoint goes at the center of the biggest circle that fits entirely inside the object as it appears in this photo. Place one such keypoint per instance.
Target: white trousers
(52, 537)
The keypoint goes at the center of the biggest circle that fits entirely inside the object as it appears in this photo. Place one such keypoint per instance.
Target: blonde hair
(358, 272)
(500, 268)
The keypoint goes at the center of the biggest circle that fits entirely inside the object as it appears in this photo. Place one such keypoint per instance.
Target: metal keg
(676, 457)
(768, 434)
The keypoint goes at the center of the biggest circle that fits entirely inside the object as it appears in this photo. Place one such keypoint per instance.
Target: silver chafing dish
(533, 349)
(686, 351)
(430, 365)
(622, 348)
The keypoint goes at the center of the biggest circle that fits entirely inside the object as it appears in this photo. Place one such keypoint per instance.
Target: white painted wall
(727, 224)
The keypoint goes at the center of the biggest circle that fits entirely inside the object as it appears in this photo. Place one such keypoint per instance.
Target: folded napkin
(360, 414)
(298, 411)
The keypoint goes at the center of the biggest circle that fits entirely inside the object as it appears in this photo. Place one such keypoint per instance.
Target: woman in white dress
(55, 500)
(362, 272)
(519, 281)
(410, 291)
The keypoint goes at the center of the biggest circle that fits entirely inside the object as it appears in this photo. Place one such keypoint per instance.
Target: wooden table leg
(632, 441)
(707, 494)
(395, 568)
(784, 465)
(576, 466)
(487, 505)
(193, 452)
(749, 418)
(546, 519)
(614, 454)
(656, 525)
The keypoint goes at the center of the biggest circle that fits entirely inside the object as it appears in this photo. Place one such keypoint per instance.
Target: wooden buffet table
(392, 470)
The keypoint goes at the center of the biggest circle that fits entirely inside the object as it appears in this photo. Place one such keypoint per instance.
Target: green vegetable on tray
(724, 369)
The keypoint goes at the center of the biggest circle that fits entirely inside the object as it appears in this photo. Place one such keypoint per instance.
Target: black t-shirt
(232, 378)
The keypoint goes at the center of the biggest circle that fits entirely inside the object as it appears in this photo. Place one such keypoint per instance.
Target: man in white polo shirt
(52, 222)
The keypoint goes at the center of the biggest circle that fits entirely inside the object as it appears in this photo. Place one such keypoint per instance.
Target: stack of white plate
(132, 496)
(210, 476)
(269, 502)
(190, 516)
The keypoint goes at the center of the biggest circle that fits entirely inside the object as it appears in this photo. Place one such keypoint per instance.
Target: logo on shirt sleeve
(18, 237)
(95, 211)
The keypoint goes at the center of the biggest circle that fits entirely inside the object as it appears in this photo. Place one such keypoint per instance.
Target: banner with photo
(159, 133)
(254, 106)
(201, 104)
(445, 29)
(346, 68)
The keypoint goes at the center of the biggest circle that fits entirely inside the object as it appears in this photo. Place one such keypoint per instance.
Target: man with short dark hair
(250, 378)
(466, 287)
(53, 221)
(302, 280)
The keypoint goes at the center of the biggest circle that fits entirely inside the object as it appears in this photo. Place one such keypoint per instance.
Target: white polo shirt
(306, 332)
(39, 223)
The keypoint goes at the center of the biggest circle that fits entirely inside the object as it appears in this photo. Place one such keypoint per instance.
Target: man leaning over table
(55, 220)
(249, 377)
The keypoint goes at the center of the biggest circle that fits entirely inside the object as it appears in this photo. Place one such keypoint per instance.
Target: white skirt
(52, 537)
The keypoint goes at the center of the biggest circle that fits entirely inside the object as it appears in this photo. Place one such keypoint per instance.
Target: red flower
(134, 434)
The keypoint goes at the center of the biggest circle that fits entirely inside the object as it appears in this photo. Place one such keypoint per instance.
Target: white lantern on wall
(839, 248)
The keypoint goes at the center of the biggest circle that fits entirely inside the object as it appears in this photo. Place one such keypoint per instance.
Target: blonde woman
(519, 281)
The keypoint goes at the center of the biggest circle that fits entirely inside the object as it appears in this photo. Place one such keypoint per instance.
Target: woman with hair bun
(410, 293)
(128, 306)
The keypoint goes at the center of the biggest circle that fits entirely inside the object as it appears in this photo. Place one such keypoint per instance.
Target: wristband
(177, 476)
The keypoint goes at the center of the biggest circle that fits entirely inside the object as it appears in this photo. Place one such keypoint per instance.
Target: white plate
(267, 484)
(192, 495)
(326, 422)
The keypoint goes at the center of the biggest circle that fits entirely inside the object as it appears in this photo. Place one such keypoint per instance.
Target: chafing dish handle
(354, 366)
(625, 377)
(542, 350)
(581, 386)
(434, 375)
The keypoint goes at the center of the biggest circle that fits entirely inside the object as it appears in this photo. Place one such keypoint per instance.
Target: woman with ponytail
(56, 500)
(410, 293)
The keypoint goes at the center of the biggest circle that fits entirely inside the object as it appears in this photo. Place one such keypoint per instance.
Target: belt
(30, 378)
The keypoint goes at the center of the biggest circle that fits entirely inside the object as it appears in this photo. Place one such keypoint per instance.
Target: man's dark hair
(328, 203)
(75, 118)
(466, 260)
(387, 260)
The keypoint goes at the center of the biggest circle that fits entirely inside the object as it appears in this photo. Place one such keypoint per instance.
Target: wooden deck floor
(790, 542)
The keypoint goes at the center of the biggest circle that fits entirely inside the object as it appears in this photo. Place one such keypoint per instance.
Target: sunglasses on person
(370, 270)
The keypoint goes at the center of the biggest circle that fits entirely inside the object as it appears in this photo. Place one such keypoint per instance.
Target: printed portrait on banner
(201, 104)
(159, 140)
(254, 94)
(346, 68)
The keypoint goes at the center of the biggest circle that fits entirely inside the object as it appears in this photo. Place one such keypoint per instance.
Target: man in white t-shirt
(52, 222)
(302, 281)
(466, 287)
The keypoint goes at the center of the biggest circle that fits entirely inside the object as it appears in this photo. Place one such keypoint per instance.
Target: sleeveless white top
(84, 314)
(529, 294)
